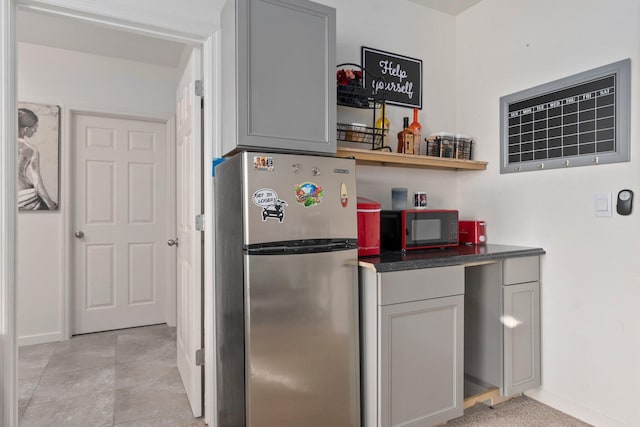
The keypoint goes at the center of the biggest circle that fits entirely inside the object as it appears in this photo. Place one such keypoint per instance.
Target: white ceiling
(74, 34)
(452, 7)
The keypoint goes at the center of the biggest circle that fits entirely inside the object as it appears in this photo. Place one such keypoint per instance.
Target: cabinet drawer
(521, 270)
(416, 285)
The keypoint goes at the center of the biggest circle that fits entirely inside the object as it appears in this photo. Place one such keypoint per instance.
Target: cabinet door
(521, 323)
(285, 76)
(421, 366)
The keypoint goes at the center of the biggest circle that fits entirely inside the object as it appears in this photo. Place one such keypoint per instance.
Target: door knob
(172, 242)
(79, 234)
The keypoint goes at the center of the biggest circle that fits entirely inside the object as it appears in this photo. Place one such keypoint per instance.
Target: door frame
(68, 177)
(8, 214)
(206, 38)
(212, 138)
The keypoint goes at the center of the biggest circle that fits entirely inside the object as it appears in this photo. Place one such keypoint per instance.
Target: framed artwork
(400, 76)
(38, 157)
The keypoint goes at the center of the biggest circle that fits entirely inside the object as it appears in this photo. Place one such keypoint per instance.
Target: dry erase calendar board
(575, 121)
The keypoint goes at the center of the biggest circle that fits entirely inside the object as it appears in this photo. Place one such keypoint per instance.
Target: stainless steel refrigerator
(286, 291)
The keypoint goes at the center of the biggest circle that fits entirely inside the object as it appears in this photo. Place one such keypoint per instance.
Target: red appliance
(472, 232)
(418, 229)
(368, 227)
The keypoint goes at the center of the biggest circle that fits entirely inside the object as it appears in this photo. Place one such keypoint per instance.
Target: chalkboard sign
(398, 77)
(576, 121)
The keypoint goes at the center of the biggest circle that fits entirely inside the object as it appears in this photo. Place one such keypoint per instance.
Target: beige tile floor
(118, 378)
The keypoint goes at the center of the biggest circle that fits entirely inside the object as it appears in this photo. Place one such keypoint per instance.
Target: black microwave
(418, 229)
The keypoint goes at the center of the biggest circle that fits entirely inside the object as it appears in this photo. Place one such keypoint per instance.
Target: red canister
(368, 227)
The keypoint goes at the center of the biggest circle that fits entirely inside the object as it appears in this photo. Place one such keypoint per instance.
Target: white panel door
(188, 199)
(120, 225)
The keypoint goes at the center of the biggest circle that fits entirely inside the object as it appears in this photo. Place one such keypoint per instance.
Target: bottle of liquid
(379, 121)
(405, 138)
(416, 128)
(382, 126)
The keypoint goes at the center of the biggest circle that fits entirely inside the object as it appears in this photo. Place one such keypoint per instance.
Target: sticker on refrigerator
(308, 194)
(263, 163)
(344, 196)
(272, 206)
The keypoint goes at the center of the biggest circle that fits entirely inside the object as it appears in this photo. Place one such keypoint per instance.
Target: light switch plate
(602, 204)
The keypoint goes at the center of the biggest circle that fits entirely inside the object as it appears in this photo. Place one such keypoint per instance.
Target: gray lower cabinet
(502, 325)
(412, 341)
(521, 304)
(278, 63)
(430, 337)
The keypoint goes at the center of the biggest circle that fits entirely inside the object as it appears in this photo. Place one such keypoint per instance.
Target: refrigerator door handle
(324, 247)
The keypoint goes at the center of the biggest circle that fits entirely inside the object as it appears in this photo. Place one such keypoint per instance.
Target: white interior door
(119, 250)
(188, 199)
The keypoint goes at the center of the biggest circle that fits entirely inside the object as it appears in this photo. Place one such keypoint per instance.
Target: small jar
(356, 132)
(441, 144)
(463, 147)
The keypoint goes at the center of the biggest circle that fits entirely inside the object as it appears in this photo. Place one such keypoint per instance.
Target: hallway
(126, 377)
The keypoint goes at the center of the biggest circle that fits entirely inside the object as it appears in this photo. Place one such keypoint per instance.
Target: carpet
(517, 412)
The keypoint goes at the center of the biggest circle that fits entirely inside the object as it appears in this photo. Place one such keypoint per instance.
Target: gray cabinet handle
(79, 234)
(172, 242)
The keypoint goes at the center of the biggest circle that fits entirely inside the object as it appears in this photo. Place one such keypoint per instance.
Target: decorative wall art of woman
(34, 192)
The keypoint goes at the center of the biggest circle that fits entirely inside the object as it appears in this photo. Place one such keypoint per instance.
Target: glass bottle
(416, 128)
(379, 123)
(383, 125)
(405, 138)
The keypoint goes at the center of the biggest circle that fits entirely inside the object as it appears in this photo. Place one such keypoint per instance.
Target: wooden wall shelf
(383, 158)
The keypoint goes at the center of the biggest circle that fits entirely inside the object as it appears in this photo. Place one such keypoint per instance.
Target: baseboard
(574, 409)
(39, 339)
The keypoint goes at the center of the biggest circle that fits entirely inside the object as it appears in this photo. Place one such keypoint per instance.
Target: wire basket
(355, 96)
(361, 134)
(351, 91)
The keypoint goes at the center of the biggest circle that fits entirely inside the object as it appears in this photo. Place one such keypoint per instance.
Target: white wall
(78, 80)
(591, 273)
(411, 30)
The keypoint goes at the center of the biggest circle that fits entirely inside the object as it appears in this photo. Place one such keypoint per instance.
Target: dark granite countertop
(458, 255)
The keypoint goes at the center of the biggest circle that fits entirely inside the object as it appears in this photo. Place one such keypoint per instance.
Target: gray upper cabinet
(278, 76)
